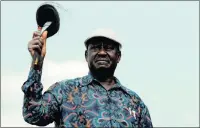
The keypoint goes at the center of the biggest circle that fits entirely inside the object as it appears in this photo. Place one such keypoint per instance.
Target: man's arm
(145, 118)
(40, 109)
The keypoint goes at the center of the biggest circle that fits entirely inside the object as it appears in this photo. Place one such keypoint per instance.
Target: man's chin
(102, 68)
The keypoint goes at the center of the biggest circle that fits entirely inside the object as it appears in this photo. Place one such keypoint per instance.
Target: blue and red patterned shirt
(82, 102)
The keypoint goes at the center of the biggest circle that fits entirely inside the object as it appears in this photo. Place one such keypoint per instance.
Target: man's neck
(108, 84)
(105, 79)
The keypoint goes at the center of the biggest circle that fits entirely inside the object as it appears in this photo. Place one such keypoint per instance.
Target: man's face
(102, 54)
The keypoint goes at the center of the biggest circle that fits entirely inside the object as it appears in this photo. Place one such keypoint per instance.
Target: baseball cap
(105, 33)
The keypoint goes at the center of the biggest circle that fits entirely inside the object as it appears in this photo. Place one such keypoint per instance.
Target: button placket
(109, 104)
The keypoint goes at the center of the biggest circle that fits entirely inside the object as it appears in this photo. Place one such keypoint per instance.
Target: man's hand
(38, 43)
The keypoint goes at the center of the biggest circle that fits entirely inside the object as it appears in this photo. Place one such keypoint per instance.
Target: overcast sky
(160, 53)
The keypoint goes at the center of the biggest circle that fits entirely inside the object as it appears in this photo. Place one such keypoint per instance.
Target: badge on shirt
(132, 112)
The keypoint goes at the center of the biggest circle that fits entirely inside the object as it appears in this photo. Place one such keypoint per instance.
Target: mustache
(101, 59)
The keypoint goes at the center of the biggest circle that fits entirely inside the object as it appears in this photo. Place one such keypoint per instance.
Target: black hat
(46, 13)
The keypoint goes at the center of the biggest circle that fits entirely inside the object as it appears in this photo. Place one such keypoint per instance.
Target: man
(95, 100)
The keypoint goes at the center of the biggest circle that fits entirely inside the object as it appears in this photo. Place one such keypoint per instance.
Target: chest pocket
(133, 111)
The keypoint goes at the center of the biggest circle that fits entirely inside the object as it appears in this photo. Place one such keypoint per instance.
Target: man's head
(102, 53)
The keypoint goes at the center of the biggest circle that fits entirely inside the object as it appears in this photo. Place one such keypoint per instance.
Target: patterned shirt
(82, 102)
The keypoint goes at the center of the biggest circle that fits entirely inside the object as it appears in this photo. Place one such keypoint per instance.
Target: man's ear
(86, 54)
(118, 56)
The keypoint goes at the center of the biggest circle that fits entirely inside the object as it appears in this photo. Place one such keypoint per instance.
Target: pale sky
(160, 53)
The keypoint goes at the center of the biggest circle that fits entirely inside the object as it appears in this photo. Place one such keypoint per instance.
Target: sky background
(160, 53)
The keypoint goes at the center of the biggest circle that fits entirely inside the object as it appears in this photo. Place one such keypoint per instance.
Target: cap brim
(88, 39)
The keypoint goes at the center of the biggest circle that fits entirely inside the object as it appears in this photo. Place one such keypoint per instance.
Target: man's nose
(102, 51)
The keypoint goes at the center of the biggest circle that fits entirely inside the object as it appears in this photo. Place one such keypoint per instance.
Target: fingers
(36, 47)
(38, 43)
(38, 38)
(35, 44)
(36, 34)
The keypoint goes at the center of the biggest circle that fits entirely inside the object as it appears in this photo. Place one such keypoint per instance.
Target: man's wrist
(37, 64)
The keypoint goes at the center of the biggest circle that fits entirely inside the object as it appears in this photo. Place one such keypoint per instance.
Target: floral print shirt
(82, 102)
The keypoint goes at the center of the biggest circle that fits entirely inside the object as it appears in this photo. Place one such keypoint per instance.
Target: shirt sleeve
(40, 109)
(145, 118)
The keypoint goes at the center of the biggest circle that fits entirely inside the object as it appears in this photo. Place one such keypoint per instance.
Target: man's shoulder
(72, 82)
(128, 91)
(134, 96)
(65, 83)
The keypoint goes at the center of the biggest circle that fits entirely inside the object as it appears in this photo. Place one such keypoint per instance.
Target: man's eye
(109, 47)
(95, 47)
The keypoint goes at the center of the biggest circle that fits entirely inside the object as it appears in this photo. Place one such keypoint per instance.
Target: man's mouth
(100, 60)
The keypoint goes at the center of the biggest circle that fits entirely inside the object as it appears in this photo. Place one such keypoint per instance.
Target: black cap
(46, 13)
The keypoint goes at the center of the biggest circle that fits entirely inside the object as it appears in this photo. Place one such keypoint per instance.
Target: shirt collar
(118, 84)
(86, 80)
(89, 78)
